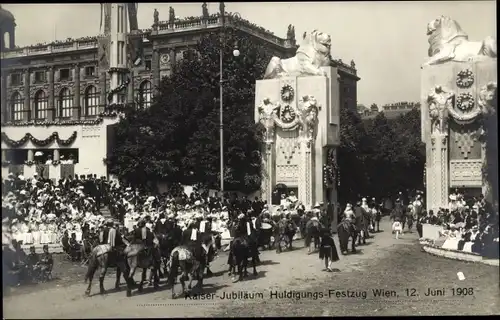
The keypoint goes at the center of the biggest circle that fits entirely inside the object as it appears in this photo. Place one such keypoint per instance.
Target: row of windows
(40, 76)
(64, 104)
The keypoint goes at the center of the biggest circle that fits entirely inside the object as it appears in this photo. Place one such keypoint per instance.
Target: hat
(35, 174)
(21, 178)
(241, 216)
(364, 199)
(317, 205)
(453, 197)
(128, 189)
(197, 203)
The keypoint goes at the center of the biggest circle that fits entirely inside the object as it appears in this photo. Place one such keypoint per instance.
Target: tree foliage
(183, 145)
(381, 156)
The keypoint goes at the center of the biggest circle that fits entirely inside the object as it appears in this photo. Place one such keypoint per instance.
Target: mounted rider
(143, 235)
(207, 240)
(191, 239)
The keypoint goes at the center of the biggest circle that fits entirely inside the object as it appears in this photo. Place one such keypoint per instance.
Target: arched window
(146, 92)
(65, 103)
(16, 107)
(91, 101)
(6, 40)
(41, 105)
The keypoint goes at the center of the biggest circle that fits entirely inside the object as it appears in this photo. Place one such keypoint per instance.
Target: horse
(138, 256)
(181, 257)
(312, 232)
(102, 257)
(345, 231)
(242, 248)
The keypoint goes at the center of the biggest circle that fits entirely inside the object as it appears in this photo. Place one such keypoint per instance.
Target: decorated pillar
(27, 101)
(103, 81)
(31, 155)
(267, 120)
(308, 115)
(51, 105)
(77, 103)
(439, 101)
(56, 155)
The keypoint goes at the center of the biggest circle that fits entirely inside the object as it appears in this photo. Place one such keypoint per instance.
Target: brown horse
(138, 256)
(182, 258)
(102, 257)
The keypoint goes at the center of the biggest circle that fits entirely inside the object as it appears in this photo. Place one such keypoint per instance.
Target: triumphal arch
(458, 94)
(298, 104)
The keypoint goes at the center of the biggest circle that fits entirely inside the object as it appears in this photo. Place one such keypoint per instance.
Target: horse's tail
(92, 267)
(174, 267)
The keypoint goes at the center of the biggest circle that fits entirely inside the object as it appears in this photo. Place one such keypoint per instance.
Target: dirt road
(287, 271)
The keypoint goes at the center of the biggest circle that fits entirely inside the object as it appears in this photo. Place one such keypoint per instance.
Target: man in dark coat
(360, 220)
(193, 243)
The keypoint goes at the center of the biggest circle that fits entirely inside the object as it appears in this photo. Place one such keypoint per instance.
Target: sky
(387, 40)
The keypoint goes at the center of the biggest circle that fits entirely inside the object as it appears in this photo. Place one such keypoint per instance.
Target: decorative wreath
(29, 163)
(465, 79)
(288, 114)
(465, 102)
(287, 93)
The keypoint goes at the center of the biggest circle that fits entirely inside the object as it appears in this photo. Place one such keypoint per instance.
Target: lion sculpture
(448, 42)
(313, 53)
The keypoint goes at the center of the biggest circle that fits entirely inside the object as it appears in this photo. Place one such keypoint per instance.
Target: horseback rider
(191, 238)
(360, 220)
(145, 236)
(207, 240)
(349, 215)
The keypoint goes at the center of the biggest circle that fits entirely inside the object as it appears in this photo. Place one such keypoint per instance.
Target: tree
(411, 158)
(352, 156)
(184, 118)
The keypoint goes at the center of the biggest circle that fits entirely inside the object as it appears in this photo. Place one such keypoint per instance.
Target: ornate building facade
(53, 95)
(391, 110)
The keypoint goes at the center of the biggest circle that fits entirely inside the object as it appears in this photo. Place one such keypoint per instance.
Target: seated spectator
(45, 263)
(65, 242)
(32, 264)
(75, 248)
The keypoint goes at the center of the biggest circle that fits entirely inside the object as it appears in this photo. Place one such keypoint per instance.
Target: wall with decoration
(90, 139)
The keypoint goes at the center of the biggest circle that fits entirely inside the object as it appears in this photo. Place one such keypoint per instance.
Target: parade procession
(205, 165)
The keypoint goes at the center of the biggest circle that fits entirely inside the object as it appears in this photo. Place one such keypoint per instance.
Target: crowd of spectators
(469, 220)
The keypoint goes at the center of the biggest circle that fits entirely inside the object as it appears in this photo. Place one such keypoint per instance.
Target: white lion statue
(313, 53)
(448, 42)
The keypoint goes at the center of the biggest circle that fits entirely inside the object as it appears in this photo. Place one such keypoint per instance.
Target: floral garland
(287, 93)
(465, 101)
(56, 162)
(465, 79)
(54, 123)
(330, 172)
(29, 163)
(41, 143)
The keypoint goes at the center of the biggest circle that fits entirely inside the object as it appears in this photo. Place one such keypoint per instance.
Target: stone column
(77, 103)
(4, 155)
(31, 155)
(56, 155)
(27, 100)
(155, 66)
(130, 89)
(51, 108)
(306, 194)
(270, 173)
(103, 99)
(437, 172)
(4, 101)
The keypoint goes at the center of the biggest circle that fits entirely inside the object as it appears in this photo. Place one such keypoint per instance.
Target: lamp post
(236, 53)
